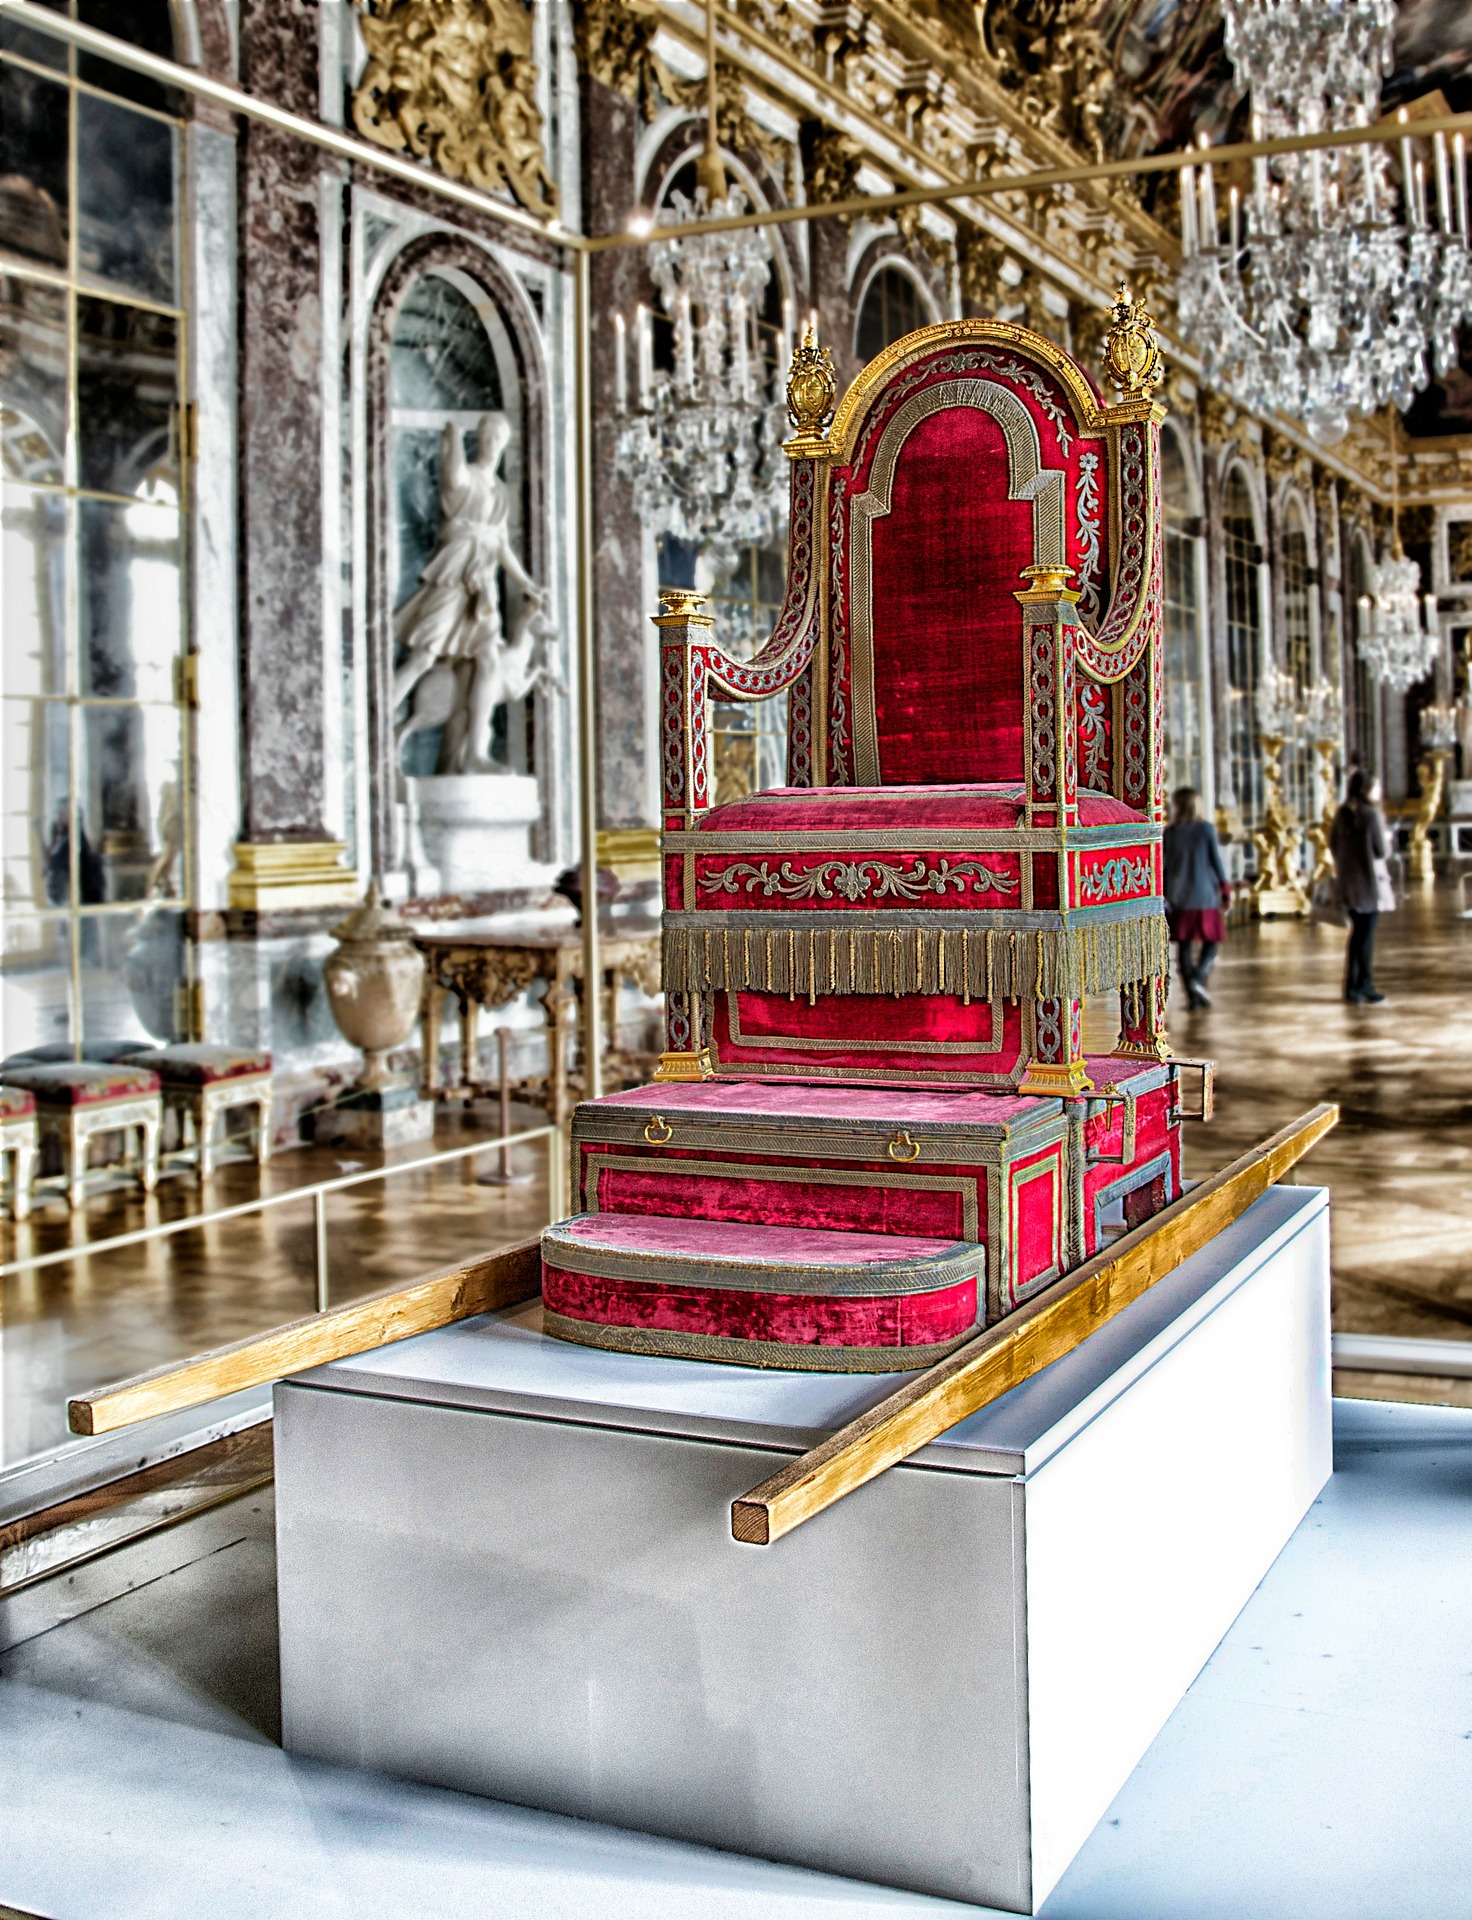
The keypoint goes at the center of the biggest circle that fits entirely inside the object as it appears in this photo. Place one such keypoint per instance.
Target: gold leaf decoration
(454, 82)
(1132, 361)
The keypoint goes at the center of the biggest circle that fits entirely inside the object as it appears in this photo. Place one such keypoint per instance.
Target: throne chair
(875, 1125)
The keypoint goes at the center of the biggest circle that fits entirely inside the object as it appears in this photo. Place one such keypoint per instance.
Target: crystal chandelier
(1316, 295)
(702, 441)
(1323, 718)
(1439, 728)
(1393, 643)
(1278, 714)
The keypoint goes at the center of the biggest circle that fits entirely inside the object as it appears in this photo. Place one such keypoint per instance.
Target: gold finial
(681, 602)
(811, 388)
(1132, 360)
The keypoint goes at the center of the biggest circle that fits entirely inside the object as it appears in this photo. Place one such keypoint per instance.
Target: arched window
(1185, 702)
(1298, 651)
(892, 307)
(1243, 557)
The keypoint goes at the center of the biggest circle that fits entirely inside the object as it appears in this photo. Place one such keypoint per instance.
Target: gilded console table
(488, 969)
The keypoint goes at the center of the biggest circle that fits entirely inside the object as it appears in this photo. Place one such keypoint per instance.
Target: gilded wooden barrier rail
(1050, 1325)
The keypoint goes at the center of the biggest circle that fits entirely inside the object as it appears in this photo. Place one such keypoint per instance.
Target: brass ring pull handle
(657, 1133)
(904, 1147)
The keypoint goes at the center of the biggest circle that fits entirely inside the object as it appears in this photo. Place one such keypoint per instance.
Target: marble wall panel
(281, 428)
(626, 650)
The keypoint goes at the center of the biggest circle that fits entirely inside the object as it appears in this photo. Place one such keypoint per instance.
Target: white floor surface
(1320, 1766)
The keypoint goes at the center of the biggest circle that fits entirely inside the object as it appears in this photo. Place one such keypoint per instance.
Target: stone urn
(375, 981)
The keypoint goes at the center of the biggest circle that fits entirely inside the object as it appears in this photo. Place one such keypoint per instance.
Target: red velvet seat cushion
(991, 808)
(16, 1103)
(81, 1083)
(759, 1295)
(193, 1065)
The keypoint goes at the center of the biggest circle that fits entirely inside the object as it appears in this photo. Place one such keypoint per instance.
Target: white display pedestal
(474, 832)
(505, 1565)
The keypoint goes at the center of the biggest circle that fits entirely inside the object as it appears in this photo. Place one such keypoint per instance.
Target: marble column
(627, 655)
(828, 245)
(290, 746)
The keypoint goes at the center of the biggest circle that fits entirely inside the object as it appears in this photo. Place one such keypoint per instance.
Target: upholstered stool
(18, 1142)
(202, 1083)
(79, 1099)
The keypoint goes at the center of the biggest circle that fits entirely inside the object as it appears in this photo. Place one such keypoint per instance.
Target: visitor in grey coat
(1356, 841)
(1196, 890)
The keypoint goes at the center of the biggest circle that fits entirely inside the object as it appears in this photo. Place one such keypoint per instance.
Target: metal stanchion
(319, 1216)
(504, 1177)
(587, 682)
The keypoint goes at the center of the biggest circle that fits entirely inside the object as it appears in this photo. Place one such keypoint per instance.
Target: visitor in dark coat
(1196, 890)
(1356, 841)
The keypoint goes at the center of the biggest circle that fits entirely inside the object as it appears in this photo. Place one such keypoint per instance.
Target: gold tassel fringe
(822, 956)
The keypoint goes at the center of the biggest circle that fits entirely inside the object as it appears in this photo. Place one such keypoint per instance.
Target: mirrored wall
(93, 733)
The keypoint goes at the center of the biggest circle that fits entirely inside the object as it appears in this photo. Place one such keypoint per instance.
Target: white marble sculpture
(458, 666)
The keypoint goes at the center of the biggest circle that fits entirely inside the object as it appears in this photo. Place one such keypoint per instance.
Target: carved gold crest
(811, 389)
(454, 82)
(1132, 359)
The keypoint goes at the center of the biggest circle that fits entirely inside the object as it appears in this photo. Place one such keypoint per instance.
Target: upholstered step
(760, 1295)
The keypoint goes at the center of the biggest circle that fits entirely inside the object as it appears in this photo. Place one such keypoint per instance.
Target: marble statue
(458, 666)
(505, 672)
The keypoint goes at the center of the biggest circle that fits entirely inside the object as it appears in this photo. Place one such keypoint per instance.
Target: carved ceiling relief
(1285, 462)
(939, 249)
(982, 259)
(1417, 525)
(831, 163)
(1220, 424)
(1053, 59)
(616, 46)
(457, 86)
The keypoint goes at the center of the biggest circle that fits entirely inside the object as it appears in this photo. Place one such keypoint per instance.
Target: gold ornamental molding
(270, 875)
(457, 85)
(630, 852)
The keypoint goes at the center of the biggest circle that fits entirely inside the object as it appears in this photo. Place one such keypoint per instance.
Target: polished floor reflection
(81, 1323)
(1399, 1166)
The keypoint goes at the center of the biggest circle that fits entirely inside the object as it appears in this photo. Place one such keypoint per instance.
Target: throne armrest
(1131, 620)
(693, 667)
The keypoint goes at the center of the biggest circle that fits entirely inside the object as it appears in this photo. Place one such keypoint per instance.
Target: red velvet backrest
(928, 539)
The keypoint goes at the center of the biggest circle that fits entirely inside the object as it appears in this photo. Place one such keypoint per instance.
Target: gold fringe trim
(829, 958)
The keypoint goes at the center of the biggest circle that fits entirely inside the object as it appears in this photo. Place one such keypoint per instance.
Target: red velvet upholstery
(793, 1320)
(190, 1065)
(16, 1103)
(954, 806)
(920, 1038)
(948, 558)
(79, 1083)
(946, 564)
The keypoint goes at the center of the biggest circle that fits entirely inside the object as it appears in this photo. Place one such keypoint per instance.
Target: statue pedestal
(475, 832)
(393, 1116)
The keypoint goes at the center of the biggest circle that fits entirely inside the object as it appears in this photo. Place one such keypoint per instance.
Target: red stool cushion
(197, 1065)
(81, 1083)
(16, 1103)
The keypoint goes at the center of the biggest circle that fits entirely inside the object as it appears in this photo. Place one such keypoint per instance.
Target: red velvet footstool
(202, 1083)
(761, 1296)
(18, 1144)
(79, 1099)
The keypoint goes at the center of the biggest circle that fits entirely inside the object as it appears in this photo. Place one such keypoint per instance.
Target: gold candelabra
(1278, 890)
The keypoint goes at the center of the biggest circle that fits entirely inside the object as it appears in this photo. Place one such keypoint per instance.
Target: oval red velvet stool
(761, 1296)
